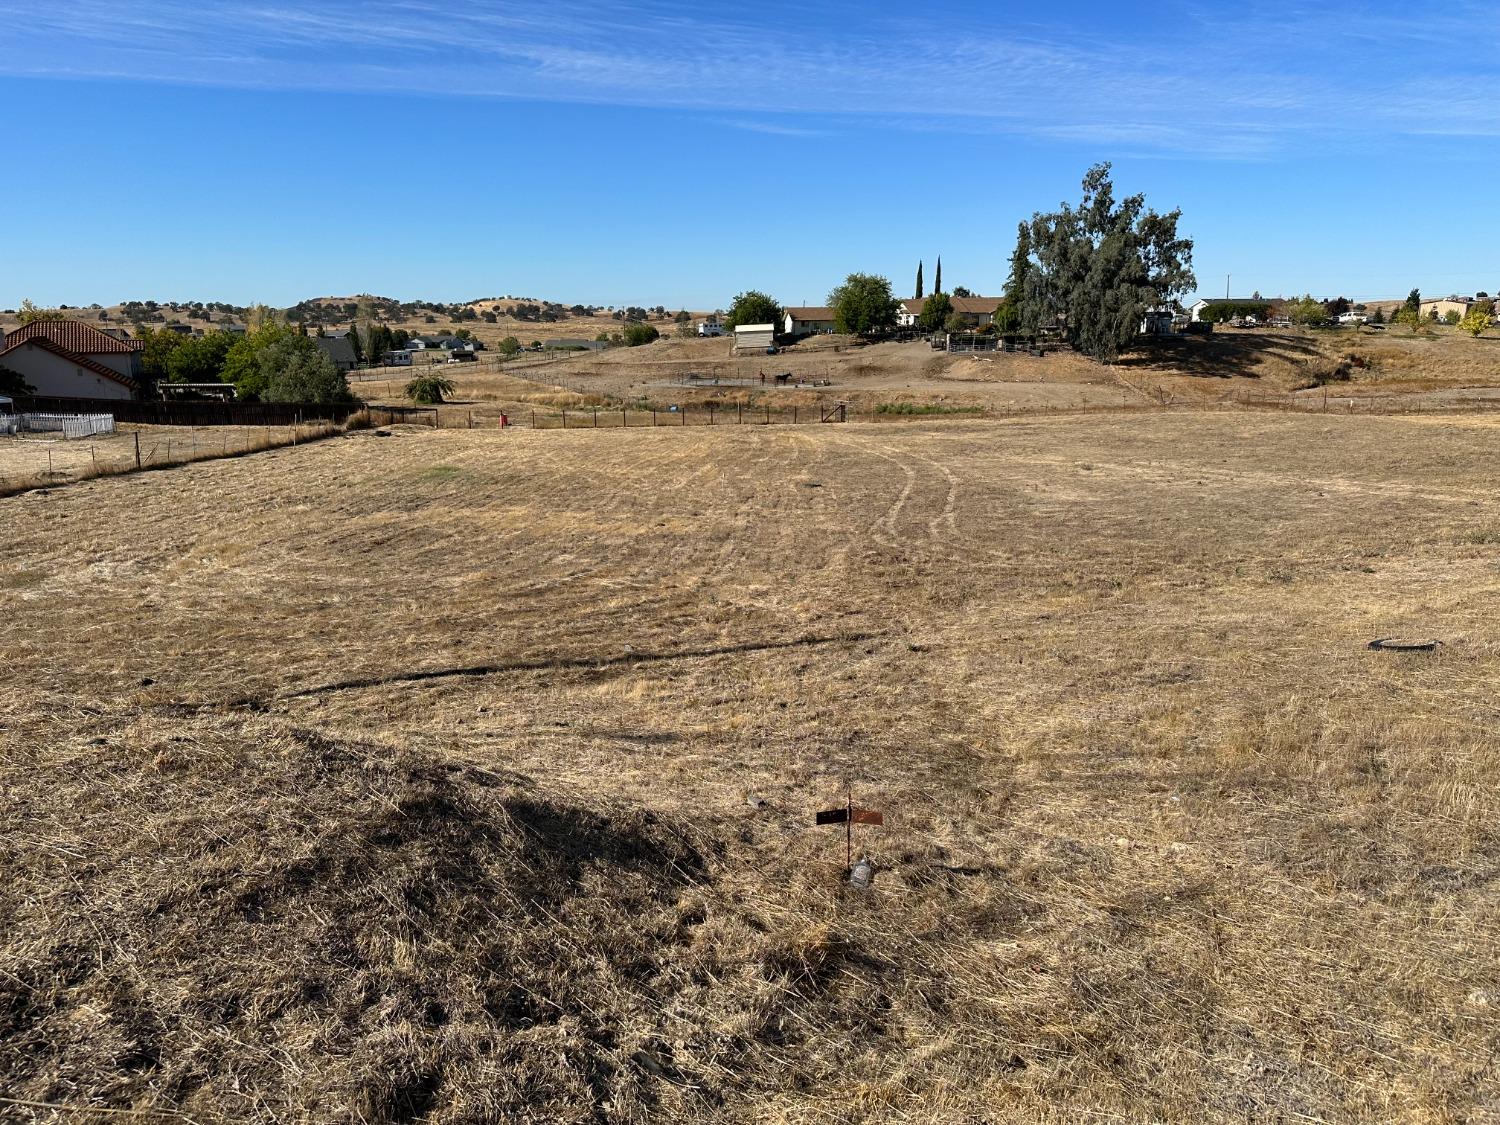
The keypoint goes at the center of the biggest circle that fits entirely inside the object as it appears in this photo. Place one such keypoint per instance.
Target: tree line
(1088, 272)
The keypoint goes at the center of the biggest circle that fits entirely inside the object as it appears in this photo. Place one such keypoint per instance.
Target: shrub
(510, 346)
(429, 389)
(637, 334)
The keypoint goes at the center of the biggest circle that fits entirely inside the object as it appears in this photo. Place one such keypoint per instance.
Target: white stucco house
(807, 320)
(70, 359)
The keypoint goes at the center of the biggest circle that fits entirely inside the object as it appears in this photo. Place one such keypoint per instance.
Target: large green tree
(918, 293)
(198, 359)
(752, 307)
(935, 312)
(276, 363)
(1020, 266)
(863, 305)
(1096, 268)
(937, 276)
(1308, 310)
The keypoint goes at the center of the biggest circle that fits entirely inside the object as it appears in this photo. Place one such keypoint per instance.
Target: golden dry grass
(406, 779)
(42, 460)
(1307, 370)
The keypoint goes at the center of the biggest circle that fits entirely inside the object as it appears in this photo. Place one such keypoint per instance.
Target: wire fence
(38, 461)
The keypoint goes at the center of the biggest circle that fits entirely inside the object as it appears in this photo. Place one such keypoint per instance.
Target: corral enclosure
(421, 778)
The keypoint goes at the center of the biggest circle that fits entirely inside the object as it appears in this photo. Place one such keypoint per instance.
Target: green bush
(637, 334)
(429, 389)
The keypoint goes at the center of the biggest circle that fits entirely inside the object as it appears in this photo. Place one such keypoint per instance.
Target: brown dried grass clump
(257, 923)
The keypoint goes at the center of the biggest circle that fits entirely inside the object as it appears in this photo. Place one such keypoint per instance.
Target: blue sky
(651, 153)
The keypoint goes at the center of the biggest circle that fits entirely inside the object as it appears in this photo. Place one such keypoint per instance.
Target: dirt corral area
(470, 776)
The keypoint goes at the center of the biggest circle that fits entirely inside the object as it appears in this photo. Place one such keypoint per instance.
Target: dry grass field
(1346, 370)
(463, 777)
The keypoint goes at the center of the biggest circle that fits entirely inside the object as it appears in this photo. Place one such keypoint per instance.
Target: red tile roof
(77, 359)
(83, 339)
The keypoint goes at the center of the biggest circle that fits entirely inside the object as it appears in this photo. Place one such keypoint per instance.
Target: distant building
(339, 349)
(807, 320)
(1460, 305)
(973, 311)
(70, 359)
(754, 337)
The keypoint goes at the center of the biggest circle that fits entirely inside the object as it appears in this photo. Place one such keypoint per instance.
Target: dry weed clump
(261, 923)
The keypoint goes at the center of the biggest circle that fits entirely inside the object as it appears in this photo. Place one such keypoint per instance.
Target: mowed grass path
(1163, 838)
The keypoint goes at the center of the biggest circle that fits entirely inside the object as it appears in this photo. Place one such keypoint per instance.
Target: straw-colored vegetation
(469, 777)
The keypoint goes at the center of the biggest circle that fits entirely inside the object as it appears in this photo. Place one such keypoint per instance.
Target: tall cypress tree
(919, 280)
(1020, 263)
(937, 276)
(354, 343)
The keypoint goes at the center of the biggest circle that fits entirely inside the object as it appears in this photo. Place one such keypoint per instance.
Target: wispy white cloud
(1209, 86)
(770, 128)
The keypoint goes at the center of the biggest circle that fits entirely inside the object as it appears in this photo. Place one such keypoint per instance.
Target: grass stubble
(410, 779)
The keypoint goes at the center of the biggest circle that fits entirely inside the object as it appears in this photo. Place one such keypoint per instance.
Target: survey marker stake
(849, 816)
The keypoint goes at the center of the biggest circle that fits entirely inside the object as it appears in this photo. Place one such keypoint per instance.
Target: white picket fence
(69, 425)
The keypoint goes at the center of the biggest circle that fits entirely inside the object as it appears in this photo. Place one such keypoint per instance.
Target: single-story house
(423, 343)
(807, 320)
(339, 349)
(70, 359)
(974, 311)
(754, 337)
(1460, 305)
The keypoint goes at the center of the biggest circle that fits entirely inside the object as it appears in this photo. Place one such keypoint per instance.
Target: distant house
(423, 343)
(807, 320)
(70, 359)
(973, 311)
(1443, 307)
(754, 337)
(339, 349)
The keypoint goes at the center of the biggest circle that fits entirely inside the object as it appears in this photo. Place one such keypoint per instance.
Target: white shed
(754, 337)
